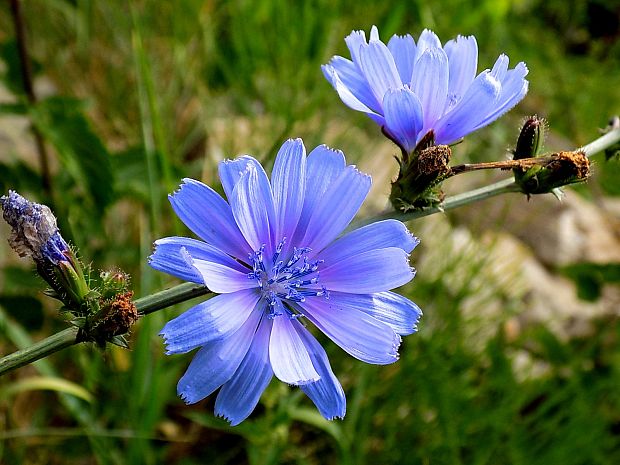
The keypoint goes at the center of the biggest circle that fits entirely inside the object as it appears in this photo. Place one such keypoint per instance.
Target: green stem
(482, 193)
(188, 291)
(450, 203)
(39, 350)
(169, 297)
(67, 337)
(602, 143)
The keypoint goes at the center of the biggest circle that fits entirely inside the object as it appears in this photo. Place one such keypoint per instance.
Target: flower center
(290, 281)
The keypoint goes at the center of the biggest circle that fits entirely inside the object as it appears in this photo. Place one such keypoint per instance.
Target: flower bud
(35, 234)
(417, 185)
(531, 138)
(34, 231)
(554, 171)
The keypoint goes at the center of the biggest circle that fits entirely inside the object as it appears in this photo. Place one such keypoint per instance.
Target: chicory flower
(273, 254)
(410, 89)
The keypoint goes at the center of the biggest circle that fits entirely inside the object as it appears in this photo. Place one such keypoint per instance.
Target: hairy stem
(38, 350)
(188, 291)
(67, 337)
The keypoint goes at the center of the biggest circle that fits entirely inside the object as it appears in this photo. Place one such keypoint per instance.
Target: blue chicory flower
(410, 89)
(273, 255)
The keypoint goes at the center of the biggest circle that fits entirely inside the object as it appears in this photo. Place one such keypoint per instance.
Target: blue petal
(396, 311)
(333, 211)
(463, 61)
(253, 208)
(208, 215)
(209, 321)
(215, 364)
(221, 278)
(355, 41)
(289, 356)
(239, 396)
(374, 33)
(403, 50)
(373, 271)
(479, 100)
(378, 235)
(324, 165)
(230, 171)
(326, 393)
(348, 95)
(288, 180)
(352, 78)
(403, 116)
(356, 332)
(167, 257)
(500, 68)
(428, 39)
(514, 88)
(377, 65)
(430, 84)
(170, 258)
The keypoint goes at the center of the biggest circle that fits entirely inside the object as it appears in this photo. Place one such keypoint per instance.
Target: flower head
(273, 255)
(34, 231)
(411, 89)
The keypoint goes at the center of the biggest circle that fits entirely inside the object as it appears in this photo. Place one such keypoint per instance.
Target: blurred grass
(136, 95)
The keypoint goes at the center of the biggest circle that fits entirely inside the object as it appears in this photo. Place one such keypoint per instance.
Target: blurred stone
(559, 232)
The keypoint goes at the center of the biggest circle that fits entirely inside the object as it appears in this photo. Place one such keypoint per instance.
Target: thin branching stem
(68, 337)
(187, 291)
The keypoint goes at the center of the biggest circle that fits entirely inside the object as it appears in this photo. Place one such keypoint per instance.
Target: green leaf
(314, 418)
(37, 383)
(62, 122)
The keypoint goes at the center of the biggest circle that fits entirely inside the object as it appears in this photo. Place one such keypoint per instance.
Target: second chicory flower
(411, 89)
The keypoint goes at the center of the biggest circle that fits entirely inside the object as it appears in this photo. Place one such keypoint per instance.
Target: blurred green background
(133, 96)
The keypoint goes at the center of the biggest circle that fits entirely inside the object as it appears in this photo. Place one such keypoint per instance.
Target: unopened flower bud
(35, 234)
(554, 171)
(34, 231)
(531, 138)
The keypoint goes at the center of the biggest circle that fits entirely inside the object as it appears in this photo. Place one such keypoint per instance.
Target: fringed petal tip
(330, 149)
(167, 342)
(304, 382)
(363, 175)
(395, 346)
(186, 397)
(228, 419)
(415, 240)
(185, 182)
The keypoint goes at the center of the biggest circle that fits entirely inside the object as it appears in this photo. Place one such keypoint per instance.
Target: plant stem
(170, 297)
(67, 337)
(602, 143)
(450, 203)
(502, 187)
(188, 291)
(47, 346)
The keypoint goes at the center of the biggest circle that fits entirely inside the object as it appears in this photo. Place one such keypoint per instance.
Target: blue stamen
(286, 282)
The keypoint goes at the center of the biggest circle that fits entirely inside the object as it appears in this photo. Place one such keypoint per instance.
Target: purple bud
(35, 233)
